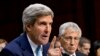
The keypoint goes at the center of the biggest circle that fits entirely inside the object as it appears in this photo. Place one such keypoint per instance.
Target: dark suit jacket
(77, 54)
(21, 47)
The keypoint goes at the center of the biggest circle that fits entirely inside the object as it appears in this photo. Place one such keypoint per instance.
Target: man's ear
(59, 38)
(28, 27)
(79, 48)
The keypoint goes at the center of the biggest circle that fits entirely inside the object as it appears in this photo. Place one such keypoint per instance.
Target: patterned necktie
(38, 51)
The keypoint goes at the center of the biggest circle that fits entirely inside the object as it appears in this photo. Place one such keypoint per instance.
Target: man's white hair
(68, 25)
(33, 12)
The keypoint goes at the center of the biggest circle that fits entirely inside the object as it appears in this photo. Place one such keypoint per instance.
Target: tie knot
(38, 52)
(38, 48)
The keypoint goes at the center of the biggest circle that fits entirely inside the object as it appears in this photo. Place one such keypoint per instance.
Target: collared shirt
(68, 53)
(73, 54)
(34, 46)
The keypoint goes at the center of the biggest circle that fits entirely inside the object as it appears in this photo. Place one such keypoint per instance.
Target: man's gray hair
(34, 11)
(68, 25)
(84, 40)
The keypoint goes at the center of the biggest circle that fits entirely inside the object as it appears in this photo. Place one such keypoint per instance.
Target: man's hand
(52, 50)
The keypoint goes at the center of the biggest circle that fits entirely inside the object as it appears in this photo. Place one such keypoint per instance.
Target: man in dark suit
(37, 21)
(21, 47)
(84, 46)
(70, 34)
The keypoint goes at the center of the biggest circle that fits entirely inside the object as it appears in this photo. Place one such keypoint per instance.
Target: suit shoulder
(79, 54)
(13, 47)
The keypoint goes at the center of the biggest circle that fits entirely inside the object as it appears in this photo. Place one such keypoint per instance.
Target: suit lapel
(79, 54)
(45, 49)
(26, 48)
(27, 53)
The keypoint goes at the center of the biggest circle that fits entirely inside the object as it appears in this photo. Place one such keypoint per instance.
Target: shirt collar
(32, 44)
(68, 53)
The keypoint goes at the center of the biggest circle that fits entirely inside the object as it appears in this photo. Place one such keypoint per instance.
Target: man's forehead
(44, 18)
(67, 32)
(86, 44)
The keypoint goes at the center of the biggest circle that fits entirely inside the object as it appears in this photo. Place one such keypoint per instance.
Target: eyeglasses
(70, 38)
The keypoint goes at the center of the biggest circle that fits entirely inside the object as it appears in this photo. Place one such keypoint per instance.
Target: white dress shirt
(74, 54)
(34, 46)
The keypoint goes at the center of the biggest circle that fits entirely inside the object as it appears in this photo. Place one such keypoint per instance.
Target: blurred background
(86, 13)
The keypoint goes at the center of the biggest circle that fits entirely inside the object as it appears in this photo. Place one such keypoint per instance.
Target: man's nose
(47, 29)
(72, 42)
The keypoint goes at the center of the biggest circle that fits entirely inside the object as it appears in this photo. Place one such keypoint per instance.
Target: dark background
(84, 12)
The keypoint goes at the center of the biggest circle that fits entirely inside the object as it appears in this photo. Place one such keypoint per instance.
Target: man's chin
(44, 42)
(71, 51)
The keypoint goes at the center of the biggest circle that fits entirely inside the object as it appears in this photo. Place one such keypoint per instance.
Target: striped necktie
(38, 51)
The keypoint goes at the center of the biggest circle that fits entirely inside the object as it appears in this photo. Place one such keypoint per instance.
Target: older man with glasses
(70, 34)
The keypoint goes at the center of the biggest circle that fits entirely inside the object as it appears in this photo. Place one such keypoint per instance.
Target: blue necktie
(38, 51)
